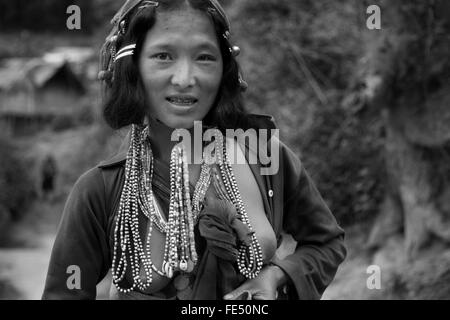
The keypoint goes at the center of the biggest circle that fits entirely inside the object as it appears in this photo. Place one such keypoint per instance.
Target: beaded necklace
(250, 259)
(179, 251)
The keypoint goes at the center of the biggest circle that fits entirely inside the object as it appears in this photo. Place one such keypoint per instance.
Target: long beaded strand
(127, 220)
(250, 258)
(129, 252)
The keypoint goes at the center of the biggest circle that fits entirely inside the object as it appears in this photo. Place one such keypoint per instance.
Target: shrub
(300, 59)
(345, 157)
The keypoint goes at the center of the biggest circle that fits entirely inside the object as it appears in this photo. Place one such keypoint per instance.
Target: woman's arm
(320, 247)
(80, 257)
(320, 241)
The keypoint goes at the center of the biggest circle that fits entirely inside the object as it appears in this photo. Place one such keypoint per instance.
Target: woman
(169, 227)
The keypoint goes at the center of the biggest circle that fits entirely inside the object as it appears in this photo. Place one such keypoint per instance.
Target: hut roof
(35, 71)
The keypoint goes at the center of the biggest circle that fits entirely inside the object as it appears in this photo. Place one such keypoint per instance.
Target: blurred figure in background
(49, 171)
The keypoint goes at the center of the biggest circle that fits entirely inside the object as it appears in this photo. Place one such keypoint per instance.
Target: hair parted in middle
(125, 100)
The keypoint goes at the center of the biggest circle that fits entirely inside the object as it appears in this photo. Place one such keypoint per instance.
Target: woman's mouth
(182, 101)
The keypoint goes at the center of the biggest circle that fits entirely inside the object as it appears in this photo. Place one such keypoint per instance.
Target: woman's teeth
(182, 101)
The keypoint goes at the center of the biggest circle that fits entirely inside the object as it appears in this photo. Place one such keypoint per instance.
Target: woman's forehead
(190, 25)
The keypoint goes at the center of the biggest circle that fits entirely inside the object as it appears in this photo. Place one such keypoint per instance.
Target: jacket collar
(261, 121)
(121, 154)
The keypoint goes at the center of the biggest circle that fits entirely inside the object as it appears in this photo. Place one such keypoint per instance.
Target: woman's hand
(263, 287)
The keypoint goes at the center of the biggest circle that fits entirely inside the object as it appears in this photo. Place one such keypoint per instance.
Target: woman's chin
(183, 123)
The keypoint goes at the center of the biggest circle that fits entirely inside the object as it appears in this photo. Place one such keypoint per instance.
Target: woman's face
(181, 67)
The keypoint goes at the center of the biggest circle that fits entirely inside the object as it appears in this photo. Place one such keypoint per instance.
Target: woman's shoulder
(99, 180)
(261, 121)
(89, 183)
(266, 122)
(102, 183)
(119, 158)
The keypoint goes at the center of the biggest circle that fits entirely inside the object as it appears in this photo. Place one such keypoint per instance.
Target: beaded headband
(109, 53)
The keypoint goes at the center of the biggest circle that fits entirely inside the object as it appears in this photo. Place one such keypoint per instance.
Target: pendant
(190, 266)
(168, 269)
(170, 272)
(183, 265)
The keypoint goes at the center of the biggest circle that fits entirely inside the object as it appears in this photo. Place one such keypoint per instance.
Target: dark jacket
(292, 202)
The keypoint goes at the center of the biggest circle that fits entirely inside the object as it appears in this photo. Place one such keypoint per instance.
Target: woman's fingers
(238, 294)
(264, 295)
(239, 291)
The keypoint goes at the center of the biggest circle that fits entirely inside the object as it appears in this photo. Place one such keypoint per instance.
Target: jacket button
(271, 193)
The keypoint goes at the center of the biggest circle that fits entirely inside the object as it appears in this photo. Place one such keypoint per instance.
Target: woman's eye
(161, 56)
(206, 57)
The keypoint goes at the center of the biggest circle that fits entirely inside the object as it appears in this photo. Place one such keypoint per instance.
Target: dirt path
(25, 257)
(25, 268)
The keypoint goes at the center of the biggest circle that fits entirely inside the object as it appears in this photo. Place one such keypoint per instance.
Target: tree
(406, 77)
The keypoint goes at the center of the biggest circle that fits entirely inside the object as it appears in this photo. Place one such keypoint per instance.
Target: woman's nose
(183, 75)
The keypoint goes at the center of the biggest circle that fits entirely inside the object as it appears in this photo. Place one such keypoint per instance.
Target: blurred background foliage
(300, 59)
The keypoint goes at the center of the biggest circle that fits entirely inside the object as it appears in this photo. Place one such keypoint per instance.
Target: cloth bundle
(221, 233)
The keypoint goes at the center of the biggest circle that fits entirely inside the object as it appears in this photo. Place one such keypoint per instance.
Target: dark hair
(125, 101)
